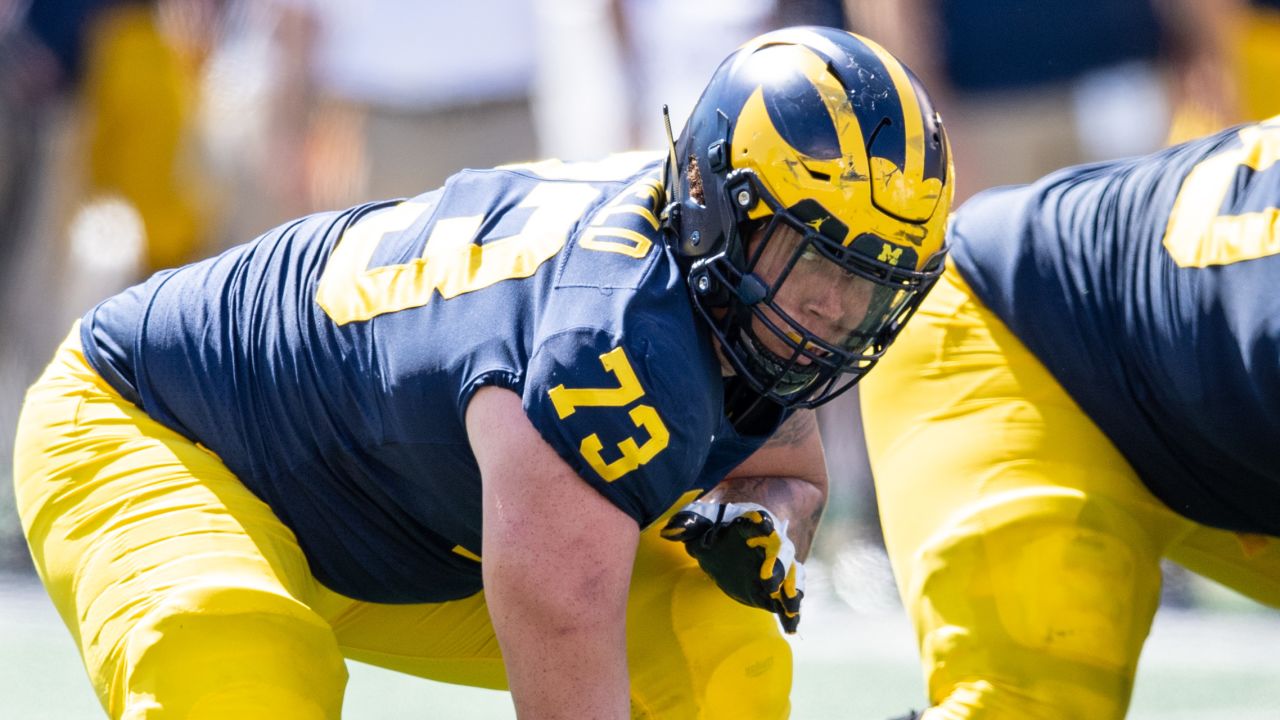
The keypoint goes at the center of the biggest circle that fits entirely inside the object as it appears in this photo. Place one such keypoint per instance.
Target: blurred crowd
(142, 134)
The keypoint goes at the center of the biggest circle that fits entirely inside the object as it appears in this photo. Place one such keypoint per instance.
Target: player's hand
(746, 552)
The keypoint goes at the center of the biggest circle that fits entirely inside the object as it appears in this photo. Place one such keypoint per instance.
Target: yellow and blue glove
(746, 552)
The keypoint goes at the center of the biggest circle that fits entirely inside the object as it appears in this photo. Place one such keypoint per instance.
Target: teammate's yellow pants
(189, 599)
(1026, 549)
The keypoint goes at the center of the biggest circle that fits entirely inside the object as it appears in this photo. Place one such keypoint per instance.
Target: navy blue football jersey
(329, 363)
(1150, 288)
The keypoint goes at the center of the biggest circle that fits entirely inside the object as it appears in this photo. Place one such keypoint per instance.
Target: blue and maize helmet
(824, 132)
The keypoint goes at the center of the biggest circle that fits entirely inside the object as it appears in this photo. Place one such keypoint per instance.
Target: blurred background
(137, 135)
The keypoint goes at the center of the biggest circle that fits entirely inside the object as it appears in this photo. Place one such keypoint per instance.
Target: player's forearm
(559, 609)
(560, 665)
(799, 501)
(788, 476)
(557, 565)
(545, 688)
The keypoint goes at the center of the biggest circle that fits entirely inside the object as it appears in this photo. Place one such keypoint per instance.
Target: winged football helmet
(821, 135)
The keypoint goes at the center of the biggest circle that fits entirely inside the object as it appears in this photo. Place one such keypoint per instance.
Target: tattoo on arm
(767, 491)
(797, 500)
(796, 429)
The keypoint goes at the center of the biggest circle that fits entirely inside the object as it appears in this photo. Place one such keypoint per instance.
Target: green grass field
(849, 666)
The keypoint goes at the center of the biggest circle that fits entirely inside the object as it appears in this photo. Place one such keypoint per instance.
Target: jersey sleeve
(626, 413)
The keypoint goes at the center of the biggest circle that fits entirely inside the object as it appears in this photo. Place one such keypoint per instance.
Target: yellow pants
(1026, 549)
(188, 598)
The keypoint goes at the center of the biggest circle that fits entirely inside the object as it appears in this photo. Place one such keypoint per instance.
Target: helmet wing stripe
(848, 124)
(913, 139)
(872, 94)
(796, 103)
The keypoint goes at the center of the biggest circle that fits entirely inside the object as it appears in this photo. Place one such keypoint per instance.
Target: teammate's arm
(557, 565)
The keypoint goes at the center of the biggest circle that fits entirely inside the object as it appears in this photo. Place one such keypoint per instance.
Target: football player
(446, 435)
(1092, 387)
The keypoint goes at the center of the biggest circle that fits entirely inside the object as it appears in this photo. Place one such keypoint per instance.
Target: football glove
(747, 554)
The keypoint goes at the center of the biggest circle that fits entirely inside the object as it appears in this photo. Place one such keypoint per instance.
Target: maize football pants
(1027, 552)
(188, 598)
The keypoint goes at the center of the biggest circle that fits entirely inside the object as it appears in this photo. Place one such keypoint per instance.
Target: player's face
(816, 293)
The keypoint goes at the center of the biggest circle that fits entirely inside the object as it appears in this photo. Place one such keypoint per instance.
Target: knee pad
(696, 653)
(1035, 604)
(215, 652)
(752, 678)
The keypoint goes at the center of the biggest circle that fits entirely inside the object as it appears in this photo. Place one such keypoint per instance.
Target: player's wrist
(746, 552)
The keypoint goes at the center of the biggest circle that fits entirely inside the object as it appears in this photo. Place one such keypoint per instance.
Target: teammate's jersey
(329, 363)
(1151, 289)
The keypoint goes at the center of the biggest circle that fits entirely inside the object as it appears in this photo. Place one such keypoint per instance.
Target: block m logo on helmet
(890, 254)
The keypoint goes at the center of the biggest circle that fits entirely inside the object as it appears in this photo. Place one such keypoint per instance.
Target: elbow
(539, 594)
